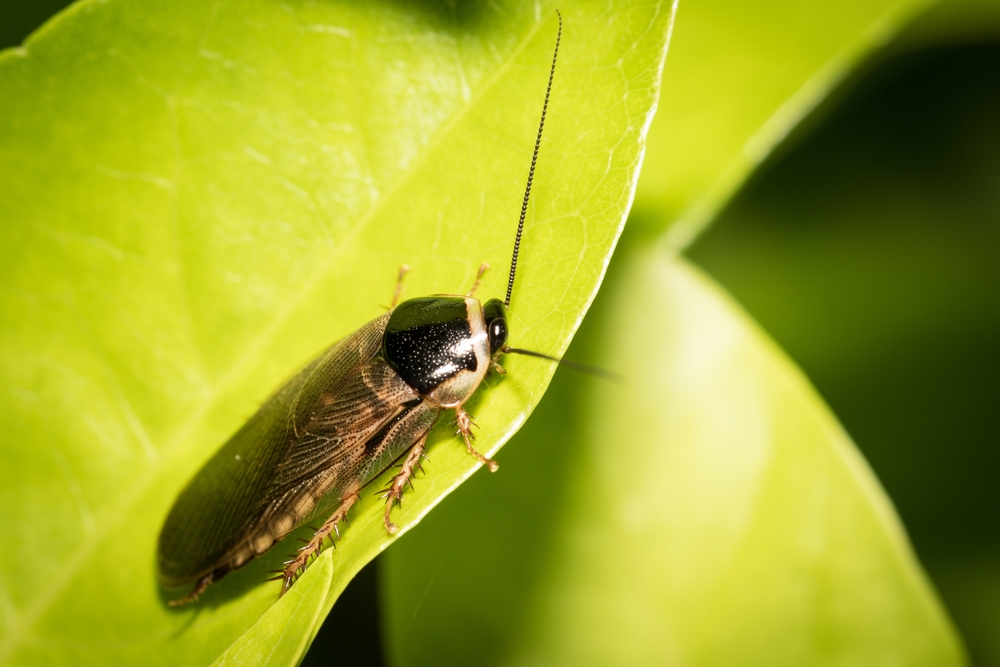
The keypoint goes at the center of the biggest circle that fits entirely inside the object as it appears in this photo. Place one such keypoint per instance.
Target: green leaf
(706, 510)
(869, 253)
(741, 75)
(198, 197)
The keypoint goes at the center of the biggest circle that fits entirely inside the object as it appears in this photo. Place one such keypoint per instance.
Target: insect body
(368, 401)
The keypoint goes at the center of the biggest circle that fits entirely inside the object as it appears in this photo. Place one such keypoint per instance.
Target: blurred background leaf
(200, 196)
(870, 252)
(740, 76)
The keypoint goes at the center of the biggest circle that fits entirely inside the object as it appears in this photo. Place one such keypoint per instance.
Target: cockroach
(367, 402)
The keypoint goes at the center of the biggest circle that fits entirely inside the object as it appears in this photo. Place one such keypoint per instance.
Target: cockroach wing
(339, 422)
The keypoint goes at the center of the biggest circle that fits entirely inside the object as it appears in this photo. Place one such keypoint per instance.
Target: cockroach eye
(495, 314)
(498, 335)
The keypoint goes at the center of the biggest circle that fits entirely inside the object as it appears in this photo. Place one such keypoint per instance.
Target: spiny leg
(483, 268)
(465, 425)
(403, 270)
(199, 588)
(394, 491)
(297, 565)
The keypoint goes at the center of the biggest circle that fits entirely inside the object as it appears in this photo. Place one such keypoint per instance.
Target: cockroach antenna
(584, 368)
(575, 365)
(531, 170)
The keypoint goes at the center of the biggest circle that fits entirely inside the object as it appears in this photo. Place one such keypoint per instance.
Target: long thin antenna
(575, 365)
(531, 171)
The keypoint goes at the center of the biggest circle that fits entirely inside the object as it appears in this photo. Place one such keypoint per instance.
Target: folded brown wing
(307, 441)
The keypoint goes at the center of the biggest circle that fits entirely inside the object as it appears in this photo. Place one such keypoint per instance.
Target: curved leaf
(200, 196)
(740, 77)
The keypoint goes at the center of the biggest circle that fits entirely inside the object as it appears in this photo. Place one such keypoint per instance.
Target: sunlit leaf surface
(198, 197)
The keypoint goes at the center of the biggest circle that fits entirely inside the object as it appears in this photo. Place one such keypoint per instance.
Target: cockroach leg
(465, 425)
(483, 268)
(297, 565)
(199, 588)
(394, 491)
(403, 270)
